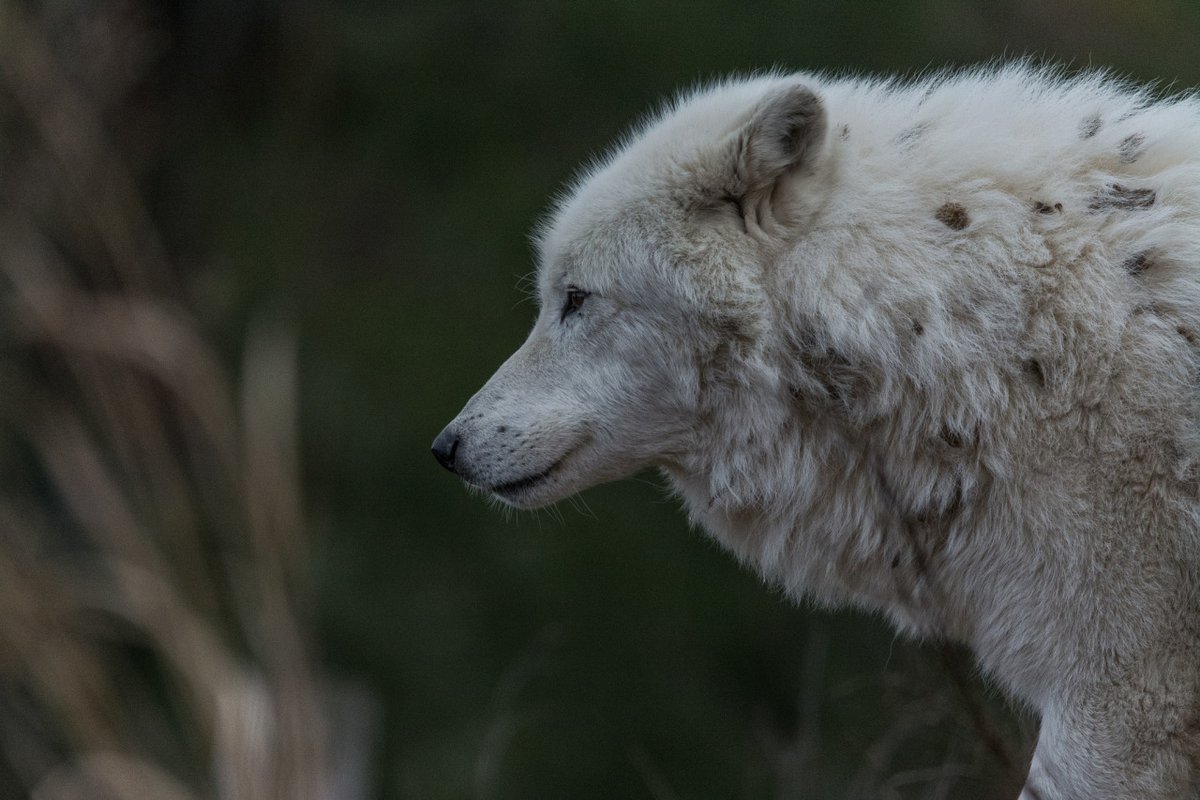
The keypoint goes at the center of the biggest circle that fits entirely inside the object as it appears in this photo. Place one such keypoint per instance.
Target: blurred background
(254, 254)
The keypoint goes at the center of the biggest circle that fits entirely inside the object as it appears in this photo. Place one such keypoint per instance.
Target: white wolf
(930, 348)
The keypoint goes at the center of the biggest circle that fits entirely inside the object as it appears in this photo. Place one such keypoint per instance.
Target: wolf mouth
(520, 484)
(511, 488)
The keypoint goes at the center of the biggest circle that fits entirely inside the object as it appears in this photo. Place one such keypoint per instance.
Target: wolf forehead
(628, 206)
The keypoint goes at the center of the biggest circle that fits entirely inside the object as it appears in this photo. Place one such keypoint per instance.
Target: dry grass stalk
(158, 529)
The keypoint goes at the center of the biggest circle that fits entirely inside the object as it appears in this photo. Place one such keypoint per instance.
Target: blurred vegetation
(253, 255)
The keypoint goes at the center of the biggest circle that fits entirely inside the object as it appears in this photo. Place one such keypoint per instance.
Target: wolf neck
(808, 504)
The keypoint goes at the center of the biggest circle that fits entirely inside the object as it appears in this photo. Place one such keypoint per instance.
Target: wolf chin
(930, 348)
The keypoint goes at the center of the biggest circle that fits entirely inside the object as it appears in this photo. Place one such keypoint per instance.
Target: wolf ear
(784, 133)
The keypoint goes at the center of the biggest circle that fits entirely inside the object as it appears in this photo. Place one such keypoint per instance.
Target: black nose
(444, 448)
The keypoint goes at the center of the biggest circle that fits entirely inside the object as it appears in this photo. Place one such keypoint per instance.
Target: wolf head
(653, 304)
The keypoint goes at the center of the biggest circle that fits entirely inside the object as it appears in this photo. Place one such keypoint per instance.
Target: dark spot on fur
(895, 561)
(1185, 465)
(1121, 197)
(1137, 263)
(502, 429)
(1033, 368)
(945, 513)
(909, 136)
(1147, 308)
(731, 340)
(926, 530)
(830, 370)
(1130, 148)
(1089, 127)
(951, 437)
(1046, 208)
(731, 329)
(1187, 333)
(955, 506)
(844, 133)
(837, 378)
(953, 216)
(918, 328)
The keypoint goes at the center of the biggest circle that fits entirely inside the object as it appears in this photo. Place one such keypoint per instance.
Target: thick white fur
(925, 347)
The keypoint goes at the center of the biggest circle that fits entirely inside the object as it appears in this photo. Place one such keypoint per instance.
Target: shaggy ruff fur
(941, 360)
(995, 327)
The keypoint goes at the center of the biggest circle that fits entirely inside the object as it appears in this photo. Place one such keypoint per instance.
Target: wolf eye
(575, 298)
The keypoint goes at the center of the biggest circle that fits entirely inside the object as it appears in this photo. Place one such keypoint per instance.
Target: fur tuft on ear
(785, 130)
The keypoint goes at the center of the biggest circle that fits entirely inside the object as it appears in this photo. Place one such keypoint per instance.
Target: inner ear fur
(784, 133)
